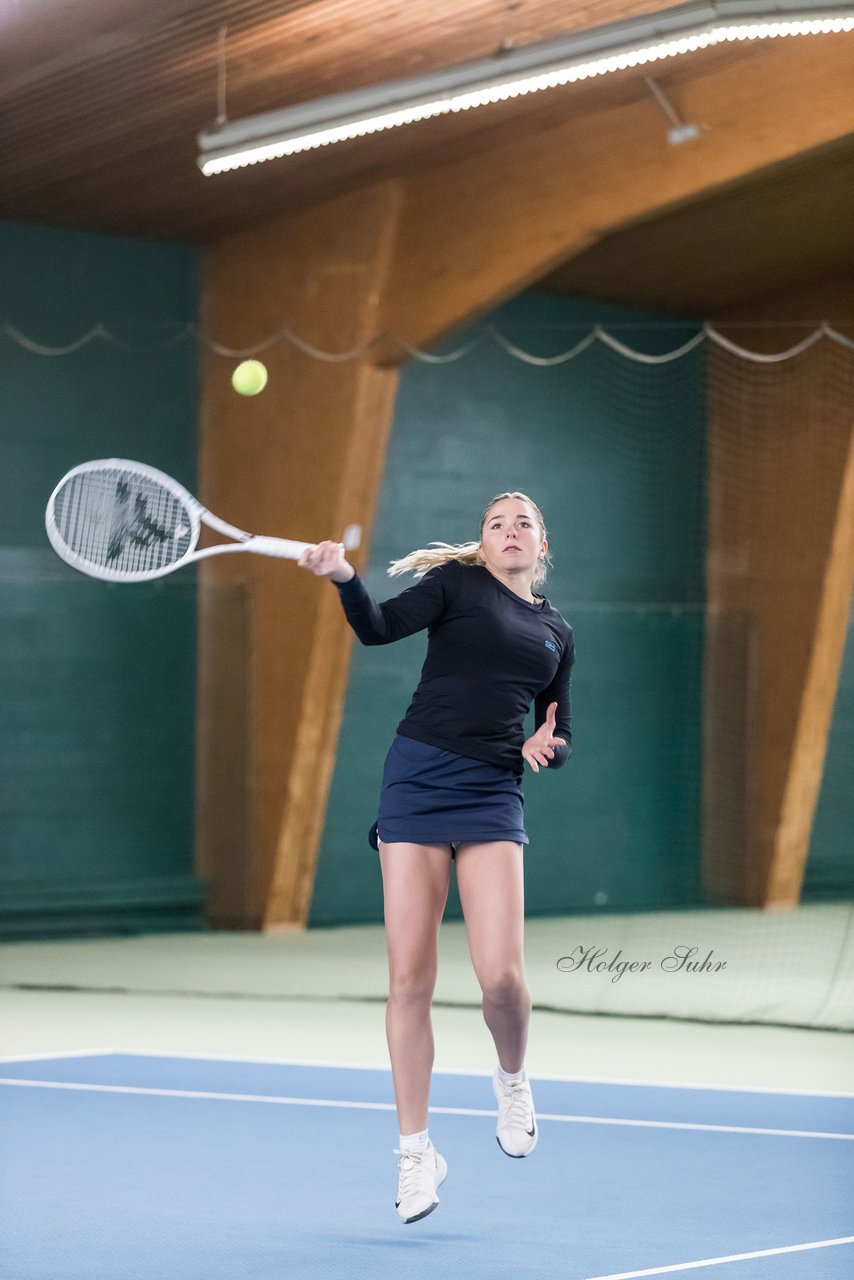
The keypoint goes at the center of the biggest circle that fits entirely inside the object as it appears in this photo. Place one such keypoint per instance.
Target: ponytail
(418, 562)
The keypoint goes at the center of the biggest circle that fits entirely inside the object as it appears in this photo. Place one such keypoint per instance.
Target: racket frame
(196, 513)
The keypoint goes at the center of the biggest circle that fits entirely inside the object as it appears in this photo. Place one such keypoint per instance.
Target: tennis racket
(128, 522)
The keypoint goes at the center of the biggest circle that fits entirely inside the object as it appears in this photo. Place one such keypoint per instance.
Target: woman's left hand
(539, 748)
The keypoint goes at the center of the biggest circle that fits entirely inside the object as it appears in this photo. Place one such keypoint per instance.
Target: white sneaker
(517, 1131)
(421, 1172)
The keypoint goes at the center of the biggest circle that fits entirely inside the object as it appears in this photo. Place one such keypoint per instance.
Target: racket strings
(123, 522)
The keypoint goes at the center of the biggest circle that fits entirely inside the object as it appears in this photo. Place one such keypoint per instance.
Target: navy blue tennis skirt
(431, 796)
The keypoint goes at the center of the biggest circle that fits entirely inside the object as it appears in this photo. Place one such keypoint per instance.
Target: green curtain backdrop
(97, 680)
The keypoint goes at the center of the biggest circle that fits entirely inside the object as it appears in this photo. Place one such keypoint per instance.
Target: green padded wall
(830, 867)
(97, 680)
(613, 453)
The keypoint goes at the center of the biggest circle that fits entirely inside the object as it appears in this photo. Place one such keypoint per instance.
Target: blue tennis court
(118, 1166)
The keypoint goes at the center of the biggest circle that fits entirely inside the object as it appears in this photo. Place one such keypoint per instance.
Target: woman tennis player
(452, 788)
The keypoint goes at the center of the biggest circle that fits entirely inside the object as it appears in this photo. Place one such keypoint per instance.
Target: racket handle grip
(282, 548)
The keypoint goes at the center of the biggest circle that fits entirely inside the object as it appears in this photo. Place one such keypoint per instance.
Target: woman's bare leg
(415, 889)
(491, 883)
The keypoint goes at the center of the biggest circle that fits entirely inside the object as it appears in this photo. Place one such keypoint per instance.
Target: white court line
(731, 1257)
(276, 1100)
(441, 1071)
(437, 1070)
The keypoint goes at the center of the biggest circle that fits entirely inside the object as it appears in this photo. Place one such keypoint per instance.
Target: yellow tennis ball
(249, 378)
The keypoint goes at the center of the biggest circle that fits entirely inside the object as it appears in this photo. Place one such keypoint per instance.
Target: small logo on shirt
(550, 644)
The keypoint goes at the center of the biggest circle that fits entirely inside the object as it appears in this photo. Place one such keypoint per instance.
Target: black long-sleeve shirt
(489, 654)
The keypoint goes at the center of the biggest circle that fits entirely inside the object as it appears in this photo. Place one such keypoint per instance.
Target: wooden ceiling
(101, 102)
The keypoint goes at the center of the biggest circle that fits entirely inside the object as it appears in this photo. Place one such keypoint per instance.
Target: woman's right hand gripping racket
(127, 522)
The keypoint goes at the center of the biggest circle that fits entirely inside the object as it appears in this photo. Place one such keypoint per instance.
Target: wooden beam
(319, 717)
(808, 201)
(791, 842)
(780, 572)
(300, 460)
(481, 229)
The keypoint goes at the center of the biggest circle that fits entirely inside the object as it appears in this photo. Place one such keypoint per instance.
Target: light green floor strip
(340, 1033)
(794, 968)
(319, 996)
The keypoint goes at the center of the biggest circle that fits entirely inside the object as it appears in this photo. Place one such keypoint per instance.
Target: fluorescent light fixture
(636, 42)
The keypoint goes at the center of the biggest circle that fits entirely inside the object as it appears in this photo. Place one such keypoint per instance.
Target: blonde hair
(435, 553)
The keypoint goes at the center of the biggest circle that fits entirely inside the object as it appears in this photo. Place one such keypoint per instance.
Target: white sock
(513, 1078)
(414, 1141)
